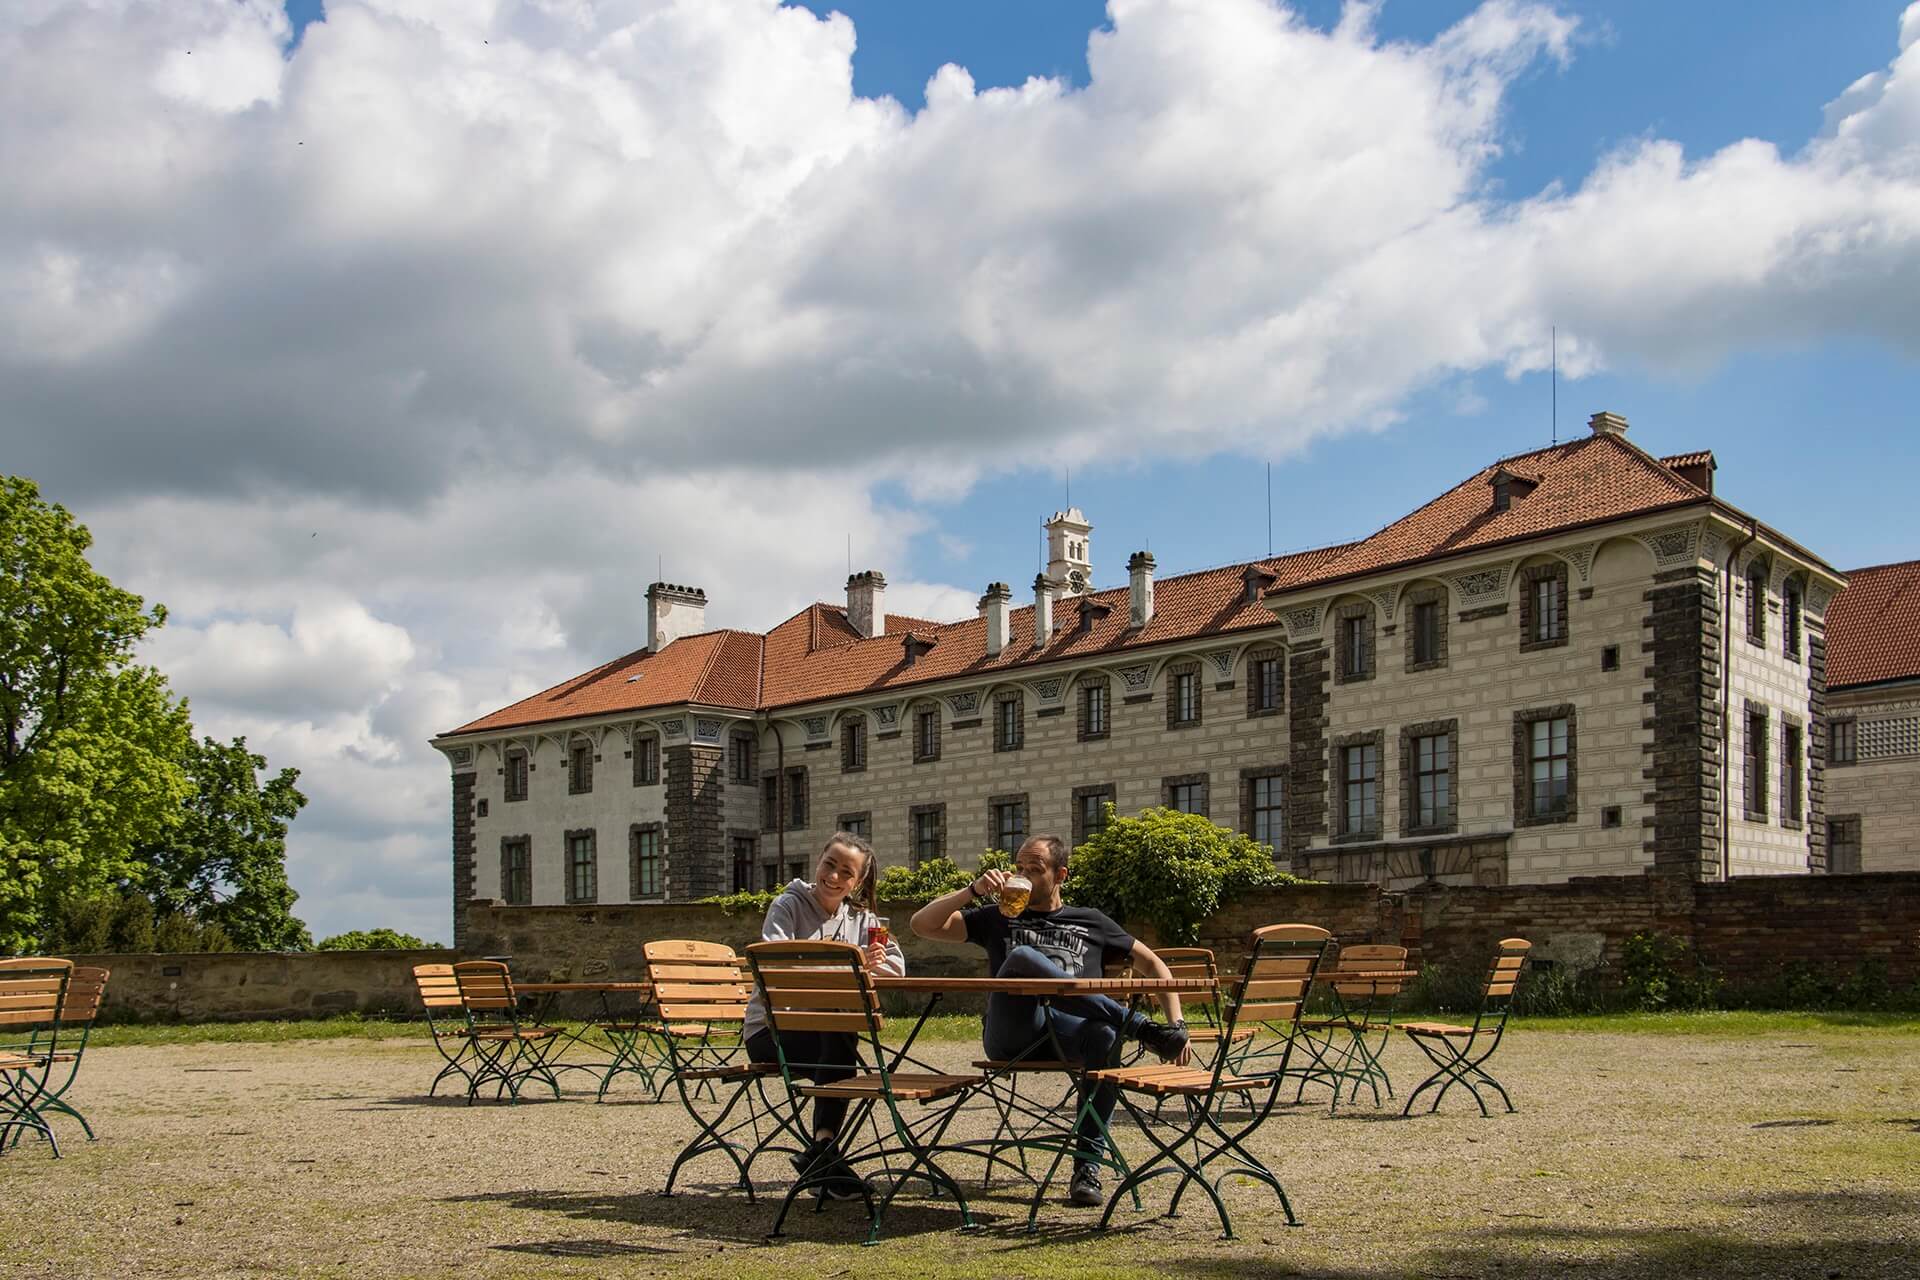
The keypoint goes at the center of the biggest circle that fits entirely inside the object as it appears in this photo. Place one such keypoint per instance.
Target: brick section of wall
(463, 885)
(1307, 746)
(698, 863)
(1683, 711)
(1815, 640)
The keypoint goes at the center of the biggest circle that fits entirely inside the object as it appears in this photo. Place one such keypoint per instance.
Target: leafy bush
(1656, 973)
(1168, 869)
(117, 922)
(749, 902)
(936, 876)
(373, 940)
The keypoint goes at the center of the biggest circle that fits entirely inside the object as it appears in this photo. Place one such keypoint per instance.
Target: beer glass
(878, 931)
(1014, 892)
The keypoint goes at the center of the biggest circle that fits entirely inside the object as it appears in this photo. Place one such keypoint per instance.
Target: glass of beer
(878, 931)
(1014, 892)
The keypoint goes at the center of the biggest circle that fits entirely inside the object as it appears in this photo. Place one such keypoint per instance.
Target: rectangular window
(1548, 761)
(646, 760)
(516, 871)
(516, 775)
(797, 869)
(741, 750)
(859, 824)
(1267, 809)
(1092, 813)
(1756, 763)
(1008, 731)
(1009, 824)
(926, 735)
(1845, 748)
(1757, 604)
(1426, 631)
(770, 802)
(797, 816)
(580, 769)
(929, 838)
(1268, 684)
(1187, 797)
(744, 847)
(1790, 621)
(1093, 711)
(1548, 621)
(853, 746)
(583, 881)
(1843, 846)
(649, 868)
(1360, 788)
(1185, 695)
(1790, 767)
(1356, 646)
(1433, 780)
(770, 876)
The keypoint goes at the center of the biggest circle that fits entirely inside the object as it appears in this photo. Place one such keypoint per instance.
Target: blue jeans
(1089, 1029)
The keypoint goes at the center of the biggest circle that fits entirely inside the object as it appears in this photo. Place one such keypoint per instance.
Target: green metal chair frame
(439, 994)
(79, 1006)
(506, 1050)
(32, 990)
(1346, 1040)
(1459, 1054)
(823, 986)
(1273, 986)
(700, 994)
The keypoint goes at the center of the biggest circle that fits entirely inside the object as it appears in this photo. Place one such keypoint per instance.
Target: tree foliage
(1168, 869)
(934, 877)
(373, 940)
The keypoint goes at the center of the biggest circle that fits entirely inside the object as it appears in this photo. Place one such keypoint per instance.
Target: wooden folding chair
(505, 1050)
(440, 996)
(1459, 1054)
(79, 1006)
(32, 989)
(1346, 1041)
(700, 994)
(823, 986)
(1270, 993)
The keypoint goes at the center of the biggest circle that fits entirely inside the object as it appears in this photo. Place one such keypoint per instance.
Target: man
(1051, 940)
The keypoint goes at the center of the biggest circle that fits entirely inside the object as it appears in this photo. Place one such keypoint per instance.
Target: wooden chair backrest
(1369, 958)
(816, 986)
(697, 982)
(1279, 972)
(1189, 962)
(31, 989)
(85, 989)
(439, 989)
(485, 986)
(1509, 960)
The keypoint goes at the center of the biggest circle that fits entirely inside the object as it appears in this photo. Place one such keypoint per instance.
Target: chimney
(997, 608)
(1607, 424)
(1043, 589)
(867, 603)
(1140, 587)
(672, 612)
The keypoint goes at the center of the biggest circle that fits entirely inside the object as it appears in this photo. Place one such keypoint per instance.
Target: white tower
(1069, 559)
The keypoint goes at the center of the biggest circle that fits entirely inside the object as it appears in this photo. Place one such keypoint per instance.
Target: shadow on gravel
(583, 1249)
(707, 1215)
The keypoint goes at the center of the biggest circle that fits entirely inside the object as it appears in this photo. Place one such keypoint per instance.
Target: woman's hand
(876, 956)
(988, 885)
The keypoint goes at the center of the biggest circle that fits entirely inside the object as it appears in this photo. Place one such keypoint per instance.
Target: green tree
(226, 863)
(1168, 869)
(91, 742)
(934, 877)
(373, 940)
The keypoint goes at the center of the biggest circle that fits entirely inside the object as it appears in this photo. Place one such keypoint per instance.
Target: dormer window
(915, 647)
(1091, 612)
(1257, 580)
(1509, 488)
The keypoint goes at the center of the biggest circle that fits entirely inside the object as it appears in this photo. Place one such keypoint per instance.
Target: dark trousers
(819, 1056)
(1089, 1029)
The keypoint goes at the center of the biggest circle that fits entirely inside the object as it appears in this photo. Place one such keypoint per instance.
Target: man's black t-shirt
(1078, 939)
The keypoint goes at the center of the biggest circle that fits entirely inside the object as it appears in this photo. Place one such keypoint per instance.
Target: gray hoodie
(796, 915)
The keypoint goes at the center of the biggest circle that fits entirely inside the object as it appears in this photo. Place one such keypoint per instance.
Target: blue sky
(395, 345)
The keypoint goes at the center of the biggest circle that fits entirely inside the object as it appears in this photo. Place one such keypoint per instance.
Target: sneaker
(839, 1181)
(1086, 1191)
(1165, 1041)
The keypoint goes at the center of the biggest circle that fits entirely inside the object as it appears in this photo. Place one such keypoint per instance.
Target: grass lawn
(1728, 1145)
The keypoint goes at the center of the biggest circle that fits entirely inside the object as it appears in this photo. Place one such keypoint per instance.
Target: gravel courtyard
(1776, 1153)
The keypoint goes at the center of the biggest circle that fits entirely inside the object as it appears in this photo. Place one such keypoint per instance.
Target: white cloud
(397, 366)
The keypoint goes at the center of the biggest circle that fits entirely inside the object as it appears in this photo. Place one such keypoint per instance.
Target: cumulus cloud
(399, 364)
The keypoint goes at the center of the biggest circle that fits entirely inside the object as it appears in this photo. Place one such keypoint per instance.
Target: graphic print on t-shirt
(1064, 944)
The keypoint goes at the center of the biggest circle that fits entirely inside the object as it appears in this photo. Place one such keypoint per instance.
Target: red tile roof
(817, 655)
(1873, 626)
(1598, 478)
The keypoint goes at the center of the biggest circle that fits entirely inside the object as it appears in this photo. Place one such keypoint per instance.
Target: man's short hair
(1054, 847)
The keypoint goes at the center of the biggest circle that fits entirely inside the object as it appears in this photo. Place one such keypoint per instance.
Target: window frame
(742, 748)
(1356, 645)
(517, 766)
(572, 842)
(1259, 663)
(1105, 793)
(1793, 764)
(1002, 807)
(1843, 740)
(646, 760)
(934, 818)
(1792, 621)
(853, 745)
(1353, 781)
(1252, 811)
(1551, 627)
(1444, 819)
(1184, 709)
(580, 757)
(1009, 722)
(646, 850)
(926, 735)
(1096, 723)
(1758, 724)
(799, 802)
(1836, 825)
(1525, 812)
(523, 845)
(1756, 579)
(743, 866)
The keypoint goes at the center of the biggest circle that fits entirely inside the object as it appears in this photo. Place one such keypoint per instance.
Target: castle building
(1579, 661)
(1873, 708)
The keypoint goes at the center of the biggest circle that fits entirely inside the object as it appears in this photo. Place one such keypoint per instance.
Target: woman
(837, 907)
